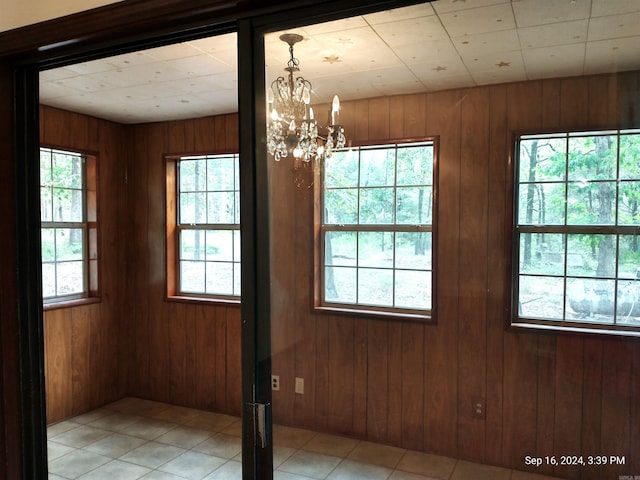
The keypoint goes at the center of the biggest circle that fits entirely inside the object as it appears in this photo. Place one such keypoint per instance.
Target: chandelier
(292, 128)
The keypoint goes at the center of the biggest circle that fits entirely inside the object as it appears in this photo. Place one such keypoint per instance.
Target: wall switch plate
(300, 385)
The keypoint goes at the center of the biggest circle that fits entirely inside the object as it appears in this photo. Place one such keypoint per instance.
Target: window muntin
(208, 226)
(577, 252)
(64, 232)
(376, 230)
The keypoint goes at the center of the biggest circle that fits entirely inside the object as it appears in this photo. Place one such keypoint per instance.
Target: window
(376, 229)
(68, 220)
(206, 232)
(577, 251)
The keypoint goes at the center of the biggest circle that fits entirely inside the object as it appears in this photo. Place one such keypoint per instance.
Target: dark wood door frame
(132, 25)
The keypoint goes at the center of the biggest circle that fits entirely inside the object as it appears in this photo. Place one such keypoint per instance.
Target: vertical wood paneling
(441, 406)
(473, 270)
(497, 281)
(408, 385)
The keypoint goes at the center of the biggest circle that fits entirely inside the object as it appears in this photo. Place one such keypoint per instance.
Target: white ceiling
(427, 47)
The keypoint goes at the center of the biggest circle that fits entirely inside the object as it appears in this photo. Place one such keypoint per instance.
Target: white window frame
(586, 311)
(392, 228)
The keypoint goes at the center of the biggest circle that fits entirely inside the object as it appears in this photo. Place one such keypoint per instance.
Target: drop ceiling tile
(49, 90)
(139, 75)
(445, 6)
(473, 45)
(87, 84)
(330, 27)
(620, 54)
(614, 26)
(411, 31)
(438, 52)
(452, 67)
(554, 34)
(478, 20)
(199, 65)
(217, 43)
(541, 12)
(515, 73)
(553, 62)
(501, 66)
(397, 14)
(56, 74)
(435, 84)
(601, 8)
(171, 52)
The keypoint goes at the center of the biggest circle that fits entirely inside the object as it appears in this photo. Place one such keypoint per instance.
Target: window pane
(630, 156)
(592, 158)
(340, 248)
(46, 204)
(341, 206)
(69, 278)
(193, 175)
(413, 289)
(628, 200)
(236, 246)
(192, 245)
(340, 284)
(591, 203)
(221, 208)
(542, 160)
(220, 245)
(375, 287)
(45, 167)
(590, 300)
(341, 169)
(542, 253)
(375, 249)
(413, 250)
(376, 205)
(591, 255)
(541, 297)
(541, 204)
(220, 278)
(69, 244)
(415, 165)
(66, 170)
(192, 275)
(193, 208)
(628, 308)
(67, 205)
(629, 257)
(48, 280)
(236, 279)
(413, 206)
(221, 174)
(377, 167)
(48, 244)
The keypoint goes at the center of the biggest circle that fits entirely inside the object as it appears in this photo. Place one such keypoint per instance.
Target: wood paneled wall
(401, 383)
(183, 353)
(83, 344)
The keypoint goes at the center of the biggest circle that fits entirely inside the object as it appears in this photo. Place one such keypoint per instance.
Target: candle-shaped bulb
(274, 114)
(335, 107)
(310, 113)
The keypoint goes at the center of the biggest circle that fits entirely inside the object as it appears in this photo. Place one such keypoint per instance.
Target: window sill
(70, 303)
(598, 329)
(222, 302)
(376, 314)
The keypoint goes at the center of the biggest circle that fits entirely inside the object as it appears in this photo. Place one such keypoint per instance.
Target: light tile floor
(140, 439)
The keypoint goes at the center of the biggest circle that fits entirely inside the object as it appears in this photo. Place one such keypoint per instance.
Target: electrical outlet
(275, 382)
(300, 385)
(478, 409)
